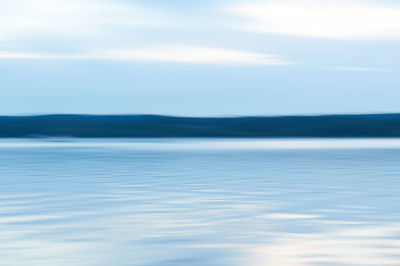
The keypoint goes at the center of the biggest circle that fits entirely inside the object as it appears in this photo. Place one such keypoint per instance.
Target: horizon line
(201, 116)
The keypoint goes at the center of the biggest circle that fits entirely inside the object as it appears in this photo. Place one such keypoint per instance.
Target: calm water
(200, 202)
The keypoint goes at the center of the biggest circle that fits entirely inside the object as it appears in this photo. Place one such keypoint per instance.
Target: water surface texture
(199, 202)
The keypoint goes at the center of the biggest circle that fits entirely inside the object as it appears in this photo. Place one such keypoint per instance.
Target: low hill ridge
(124, 126)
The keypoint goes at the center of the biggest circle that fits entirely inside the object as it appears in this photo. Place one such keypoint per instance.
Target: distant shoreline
(155, 126)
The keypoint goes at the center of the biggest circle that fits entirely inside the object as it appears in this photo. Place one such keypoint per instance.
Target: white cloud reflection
(365, 245)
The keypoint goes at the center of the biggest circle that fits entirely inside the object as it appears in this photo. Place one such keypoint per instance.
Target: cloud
(176, 54)
(16, 55)
(194, 54)
(98, 27)
(329, 19)
(367, 69)
(26, 19)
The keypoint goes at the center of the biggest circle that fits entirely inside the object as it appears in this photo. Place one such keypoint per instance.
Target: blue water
(199, 202)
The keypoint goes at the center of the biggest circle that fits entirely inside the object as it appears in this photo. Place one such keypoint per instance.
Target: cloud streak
(362, 69)
(174, 54)
(99, 27)
(21, 19)
(352, 20)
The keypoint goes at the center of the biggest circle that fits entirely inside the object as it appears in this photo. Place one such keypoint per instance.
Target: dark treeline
(99, 126)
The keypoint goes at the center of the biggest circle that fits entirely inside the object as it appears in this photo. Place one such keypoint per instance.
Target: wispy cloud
(365, 69)
(16, 55)
(100, 28)
(21, 19)
(331, 19)
(194, 54)
(176, 54)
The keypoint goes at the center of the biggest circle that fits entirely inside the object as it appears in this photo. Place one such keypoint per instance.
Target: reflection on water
(200, 202)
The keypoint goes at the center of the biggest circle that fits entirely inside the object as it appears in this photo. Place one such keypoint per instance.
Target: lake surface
(199, 202)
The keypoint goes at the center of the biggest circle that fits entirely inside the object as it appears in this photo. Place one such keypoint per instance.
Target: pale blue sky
(210, 58)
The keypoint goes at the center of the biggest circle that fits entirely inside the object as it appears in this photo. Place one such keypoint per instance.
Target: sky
(199, 58)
